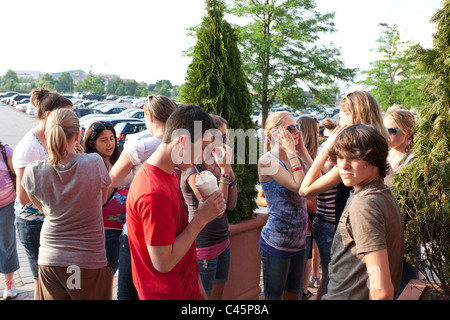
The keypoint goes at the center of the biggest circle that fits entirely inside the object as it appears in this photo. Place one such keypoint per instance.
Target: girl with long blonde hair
(358, 107)
(283, 238)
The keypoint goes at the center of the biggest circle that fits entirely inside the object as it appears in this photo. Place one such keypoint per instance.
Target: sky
(145, 40)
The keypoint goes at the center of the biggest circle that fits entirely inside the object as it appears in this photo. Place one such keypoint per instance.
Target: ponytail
(56, 144)
(61, 126)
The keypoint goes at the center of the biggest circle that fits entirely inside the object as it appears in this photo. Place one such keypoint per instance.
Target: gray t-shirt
(71, 198)
(216, 230)
(371, 221)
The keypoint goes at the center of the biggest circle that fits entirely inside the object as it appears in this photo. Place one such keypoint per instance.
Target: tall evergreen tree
(215, 81)
(423, 186)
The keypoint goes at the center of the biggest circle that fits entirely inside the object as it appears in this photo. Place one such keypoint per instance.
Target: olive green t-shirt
(371, 221)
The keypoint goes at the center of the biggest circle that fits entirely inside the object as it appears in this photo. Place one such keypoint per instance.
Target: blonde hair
(309, 127)
(159, 107)
(405, 121)
(62, 125)
(218, 120)
(273, 121)
(364, 109)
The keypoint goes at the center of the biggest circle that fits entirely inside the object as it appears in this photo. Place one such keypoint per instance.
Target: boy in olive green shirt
(367, 250)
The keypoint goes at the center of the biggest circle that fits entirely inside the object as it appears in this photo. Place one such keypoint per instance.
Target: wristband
(297, 168)
(292, 158)
(225, 176)
(224, 182)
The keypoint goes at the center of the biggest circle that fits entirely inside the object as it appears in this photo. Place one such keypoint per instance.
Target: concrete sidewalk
(25, 283)
(24, 279)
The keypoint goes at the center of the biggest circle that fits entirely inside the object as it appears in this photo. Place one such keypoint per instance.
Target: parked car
(139, 103)
(125, 128)
(93, 104)
(140, 135)
(93, 96)
(111, 109)
(23, 101)
(17, 98)
(111, 97)
(21, 106)
(30, 109)
(8, 94)
(133, 113)
(82, 111)
(126, 99)
(112, 120)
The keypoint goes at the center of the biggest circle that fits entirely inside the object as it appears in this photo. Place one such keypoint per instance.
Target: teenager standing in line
(283, 238)
(33, 147)
(157, 110)
(101, 138)
(9, 261)
(162, 242)
(213, 242)
(72, 258)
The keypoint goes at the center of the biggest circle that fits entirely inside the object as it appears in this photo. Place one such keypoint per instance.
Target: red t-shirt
(156, 215)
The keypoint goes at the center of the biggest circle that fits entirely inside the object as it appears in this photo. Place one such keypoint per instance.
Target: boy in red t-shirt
(163, 255)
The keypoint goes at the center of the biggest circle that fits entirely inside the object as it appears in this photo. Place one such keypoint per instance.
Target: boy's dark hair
(362, 142)
(184, 119)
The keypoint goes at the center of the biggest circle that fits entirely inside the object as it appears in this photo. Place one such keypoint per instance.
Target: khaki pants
(73, 283)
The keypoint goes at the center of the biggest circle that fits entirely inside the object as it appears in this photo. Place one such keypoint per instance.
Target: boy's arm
(377, 264)
(165, 258)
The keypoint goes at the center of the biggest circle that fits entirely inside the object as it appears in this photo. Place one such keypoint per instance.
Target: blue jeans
(324, 235)
(125, 286)
(112, 245)
(214, 270)
(409, 272)
(282, 274)
(29, 235)
(9, 261)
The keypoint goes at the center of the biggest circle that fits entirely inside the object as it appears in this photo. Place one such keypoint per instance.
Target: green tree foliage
(10, 81)
(91, 83)
(215, 81)
(395, 78)
(423, 186)
(280, 50)
(65, 83)
(46, 80)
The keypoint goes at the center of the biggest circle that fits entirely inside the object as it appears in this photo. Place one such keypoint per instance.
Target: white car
(30, 109)
(126, 99)
(22, 106)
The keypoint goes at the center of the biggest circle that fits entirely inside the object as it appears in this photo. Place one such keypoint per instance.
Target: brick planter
(245, 263)
(413, 290)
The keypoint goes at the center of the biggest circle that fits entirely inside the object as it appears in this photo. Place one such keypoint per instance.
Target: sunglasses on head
(393, 131)
(101, 125)
(293, 128)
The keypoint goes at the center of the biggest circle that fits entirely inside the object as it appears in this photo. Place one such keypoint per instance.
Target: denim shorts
(29, 234)
(214, 271)
(282, 274)
(323, 235)
(9, 261)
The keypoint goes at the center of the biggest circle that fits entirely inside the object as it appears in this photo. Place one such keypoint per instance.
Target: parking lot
(14, 124)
